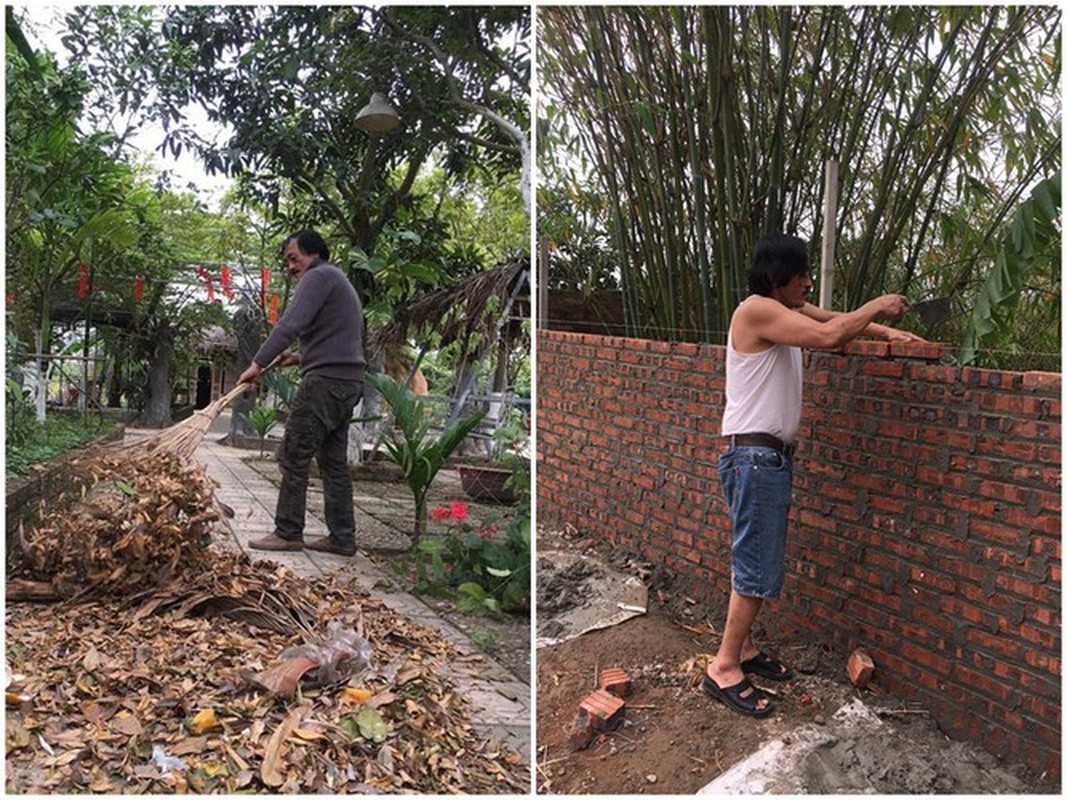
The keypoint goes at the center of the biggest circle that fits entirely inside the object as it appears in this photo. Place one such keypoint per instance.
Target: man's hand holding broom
(251, 375)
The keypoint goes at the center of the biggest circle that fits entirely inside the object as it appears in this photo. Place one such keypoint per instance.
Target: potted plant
(505, 477)
(262, 418)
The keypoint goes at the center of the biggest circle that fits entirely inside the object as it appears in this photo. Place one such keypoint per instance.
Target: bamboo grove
(703, 127)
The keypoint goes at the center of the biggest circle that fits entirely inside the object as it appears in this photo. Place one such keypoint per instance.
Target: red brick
(1050, 381)
(860, 668)
(616, 681)
(865, 347)
(930, 351)
(604, 709)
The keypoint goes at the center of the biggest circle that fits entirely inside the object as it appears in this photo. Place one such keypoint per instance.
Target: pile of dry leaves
(166, 692)
(169, 665)
(130, 521)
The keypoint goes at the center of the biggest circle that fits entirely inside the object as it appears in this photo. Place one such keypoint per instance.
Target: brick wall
(925, 522)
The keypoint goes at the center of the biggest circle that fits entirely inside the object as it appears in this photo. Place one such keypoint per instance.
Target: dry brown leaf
(92, 660)
(127, 724)
(271, 769)
(16, 736)
(194, 745)
(383, 698)
(308, 735)
(239, 762)
(283, 678)
(101, 784)
(159, 670)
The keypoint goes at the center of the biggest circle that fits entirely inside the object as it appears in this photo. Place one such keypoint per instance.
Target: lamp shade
(377, 116)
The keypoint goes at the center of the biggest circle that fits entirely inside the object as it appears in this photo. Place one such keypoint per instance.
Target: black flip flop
(732, 697)
(766, 667)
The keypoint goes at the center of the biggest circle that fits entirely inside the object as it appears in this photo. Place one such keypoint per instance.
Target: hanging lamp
(377, 116)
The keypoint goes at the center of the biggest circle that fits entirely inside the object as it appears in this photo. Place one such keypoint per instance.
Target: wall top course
(1037, 381)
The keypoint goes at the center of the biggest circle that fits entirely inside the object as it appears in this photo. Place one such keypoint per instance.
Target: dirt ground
(676, 740)
(503, 637)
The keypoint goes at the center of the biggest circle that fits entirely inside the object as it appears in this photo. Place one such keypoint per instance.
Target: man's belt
(762, 440)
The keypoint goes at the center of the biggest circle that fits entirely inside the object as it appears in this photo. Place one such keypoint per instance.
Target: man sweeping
(326, 317)
(760, 422)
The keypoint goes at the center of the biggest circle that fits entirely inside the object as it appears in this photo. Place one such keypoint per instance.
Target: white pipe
(829, 237)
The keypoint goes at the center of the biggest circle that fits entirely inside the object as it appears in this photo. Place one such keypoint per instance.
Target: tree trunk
(118, 372)
(247, 323)
(157, 413)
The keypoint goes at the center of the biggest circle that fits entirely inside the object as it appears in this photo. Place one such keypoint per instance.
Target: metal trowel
(934, 311)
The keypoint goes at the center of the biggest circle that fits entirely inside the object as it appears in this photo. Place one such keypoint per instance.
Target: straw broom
(182, 439)
(137, 515)
(185, 437)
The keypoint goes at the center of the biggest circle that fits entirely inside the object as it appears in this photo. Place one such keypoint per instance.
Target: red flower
(458, 510)
(440, 513)
(488, 531)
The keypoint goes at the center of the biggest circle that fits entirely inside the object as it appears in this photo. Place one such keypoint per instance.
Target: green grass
(58, 434)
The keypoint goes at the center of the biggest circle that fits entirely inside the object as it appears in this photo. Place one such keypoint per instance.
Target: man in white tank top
(763, 402)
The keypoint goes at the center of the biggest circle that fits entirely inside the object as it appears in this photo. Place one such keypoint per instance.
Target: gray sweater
(326, 316)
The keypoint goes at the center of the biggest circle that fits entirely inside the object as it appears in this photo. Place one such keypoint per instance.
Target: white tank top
(764, 391)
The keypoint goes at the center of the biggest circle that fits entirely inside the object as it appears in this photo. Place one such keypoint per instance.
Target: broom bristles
(183, 438)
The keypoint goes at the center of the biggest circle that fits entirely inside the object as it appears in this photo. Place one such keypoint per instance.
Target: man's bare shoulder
(758, 308)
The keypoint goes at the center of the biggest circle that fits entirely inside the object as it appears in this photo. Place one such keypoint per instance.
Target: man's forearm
(877, 331)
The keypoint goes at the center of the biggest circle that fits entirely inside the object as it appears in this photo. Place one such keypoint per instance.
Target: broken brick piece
(615, 681)
(860, 668)
(604, 709)
(582, 730)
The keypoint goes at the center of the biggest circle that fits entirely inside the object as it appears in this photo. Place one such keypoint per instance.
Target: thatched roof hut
(457, 313)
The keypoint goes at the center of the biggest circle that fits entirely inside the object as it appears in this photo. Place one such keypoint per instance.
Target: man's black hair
(778, 259)
(310, 242)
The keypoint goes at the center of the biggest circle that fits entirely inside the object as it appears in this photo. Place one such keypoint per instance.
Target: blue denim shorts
(758, 484)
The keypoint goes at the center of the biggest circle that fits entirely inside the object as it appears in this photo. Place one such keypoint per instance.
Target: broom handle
(241, 388)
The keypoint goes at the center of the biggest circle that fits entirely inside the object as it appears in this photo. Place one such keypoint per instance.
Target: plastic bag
(165, 763)
(344, 653)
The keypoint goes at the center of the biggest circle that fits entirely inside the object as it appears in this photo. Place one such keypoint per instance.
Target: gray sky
(43, 32)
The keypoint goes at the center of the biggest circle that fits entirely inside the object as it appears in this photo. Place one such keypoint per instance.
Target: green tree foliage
(707, 126)
(288, 82)
(83, 222)
(1031, 239)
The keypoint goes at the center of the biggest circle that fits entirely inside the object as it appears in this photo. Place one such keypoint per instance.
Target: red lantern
(227, 287)
(207, 280)
(83, 281)
(138, 288)
(264, 275)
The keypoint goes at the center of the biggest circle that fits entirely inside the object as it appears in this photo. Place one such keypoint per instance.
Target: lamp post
(376, 118)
